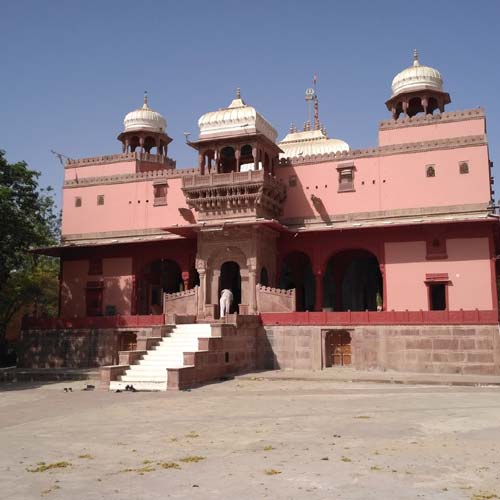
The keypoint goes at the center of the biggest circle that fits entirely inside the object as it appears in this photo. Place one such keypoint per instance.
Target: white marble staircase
(150, 373)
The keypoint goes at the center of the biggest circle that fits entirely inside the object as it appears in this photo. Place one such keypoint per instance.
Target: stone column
(252, 284)
(237, 155)
(255, 158)
(201, 163)
(185, 279)
(405, 108)
(141, 143)
(318, 275)
(201, 293)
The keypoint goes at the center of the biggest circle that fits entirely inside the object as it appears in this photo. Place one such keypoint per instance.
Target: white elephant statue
(226, 300)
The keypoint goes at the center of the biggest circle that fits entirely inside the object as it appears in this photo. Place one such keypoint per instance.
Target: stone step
(130, 379)
(139, 386)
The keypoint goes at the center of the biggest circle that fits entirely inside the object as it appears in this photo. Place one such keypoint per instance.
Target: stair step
(139, 386)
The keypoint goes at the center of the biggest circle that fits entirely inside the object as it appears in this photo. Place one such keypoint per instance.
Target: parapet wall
(471, 349)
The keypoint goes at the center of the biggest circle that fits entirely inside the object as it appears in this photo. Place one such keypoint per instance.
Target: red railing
(460, 317)
(93, 322)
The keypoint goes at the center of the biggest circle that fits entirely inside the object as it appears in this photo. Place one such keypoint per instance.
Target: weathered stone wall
(424, 349)
(67, 348)
(435, 349)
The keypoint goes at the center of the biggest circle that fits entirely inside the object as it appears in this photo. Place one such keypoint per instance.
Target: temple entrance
(338, 348)
(297, 273)
(230, 278)
(352, 282)
(160, 276)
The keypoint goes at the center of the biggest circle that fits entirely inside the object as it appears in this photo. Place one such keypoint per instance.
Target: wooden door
(340, 348)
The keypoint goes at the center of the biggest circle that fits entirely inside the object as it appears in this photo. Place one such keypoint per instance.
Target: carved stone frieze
(235, 194)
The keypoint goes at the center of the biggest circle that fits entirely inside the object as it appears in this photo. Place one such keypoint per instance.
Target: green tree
(28, 220)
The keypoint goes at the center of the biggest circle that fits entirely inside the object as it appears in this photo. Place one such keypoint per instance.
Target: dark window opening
(431, 171)
(160, 194)
(437, 296)
(346, 177)
(78, 202)
(464, 167)
(100, 199)
(95, 266)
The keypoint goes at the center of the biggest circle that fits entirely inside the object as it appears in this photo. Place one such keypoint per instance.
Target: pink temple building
(383, 258)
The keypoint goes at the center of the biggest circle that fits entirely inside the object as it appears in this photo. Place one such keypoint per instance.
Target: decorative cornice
(154, 175)
(392, 149)
(419, 121)
(120, 157)
(385, 217)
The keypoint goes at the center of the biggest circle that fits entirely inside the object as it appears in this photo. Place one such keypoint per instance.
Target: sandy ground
(250, 439)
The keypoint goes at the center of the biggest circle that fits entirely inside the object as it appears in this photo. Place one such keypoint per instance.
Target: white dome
(238, 118)
(417, 77)
(310, 142)
(144, 119)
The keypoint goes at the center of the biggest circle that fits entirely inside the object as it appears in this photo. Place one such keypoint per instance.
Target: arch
(227, 160)
(230, 278)
(297, 273)
(264, 277)
(352, 281)
(415, 106)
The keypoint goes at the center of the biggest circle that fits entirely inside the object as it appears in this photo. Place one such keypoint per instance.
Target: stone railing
(451, 116)
(227, 178)
(183, 303)
(119, 157)
(392, 149)
(148, 175)
(275, 299)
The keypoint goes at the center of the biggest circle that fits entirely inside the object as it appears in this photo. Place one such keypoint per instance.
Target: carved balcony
(236, 194)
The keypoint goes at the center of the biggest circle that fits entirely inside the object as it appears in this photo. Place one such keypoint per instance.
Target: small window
(160, 194)
(436, 248)
(437, 296)
(346, 177)
(78, 202)
(100, 199)
(292, 181)
(95, 266)
(430, 171)
(463, 167)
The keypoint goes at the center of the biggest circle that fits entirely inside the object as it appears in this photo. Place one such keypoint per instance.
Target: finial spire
(415, 58)
(238, 93)
(145, 99)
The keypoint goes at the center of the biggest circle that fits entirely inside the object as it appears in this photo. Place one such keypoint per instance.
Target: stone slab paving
(251, 438)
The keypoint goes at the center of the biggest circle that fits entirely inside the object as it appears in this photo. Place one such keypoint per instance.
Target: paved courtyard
(251, 438)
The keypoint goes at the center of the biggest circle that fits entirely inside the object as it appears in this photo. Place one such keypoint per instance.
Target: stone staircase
(150, 373)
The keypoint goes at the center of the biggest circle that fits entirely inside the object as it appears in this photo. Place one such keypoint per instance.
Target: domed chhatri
(144, 128)
(144, 118)
(310, 143)
(234, 120)
(417, 89)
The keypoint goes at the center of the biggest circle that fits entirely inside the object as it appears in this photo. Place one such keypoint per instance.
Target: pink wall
(117, 278)
(123, 167)
(74, 279)
(467, 265)
(127, 206)
(391, 183)
(431, 132)
(117, 275)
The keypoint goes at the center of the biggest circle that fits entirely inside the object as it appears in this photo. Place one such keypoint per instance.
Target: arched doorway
(160, 276)
(230, 278)
(297, 273)
(352, 282)
(264, 277)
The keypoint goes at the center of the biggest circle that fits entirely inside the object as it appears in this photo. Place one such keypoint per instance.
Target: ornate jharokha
(252, 193)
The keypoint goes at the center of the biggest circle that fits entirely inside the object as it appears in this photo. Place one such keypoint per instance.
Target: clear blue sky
(71, 70)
